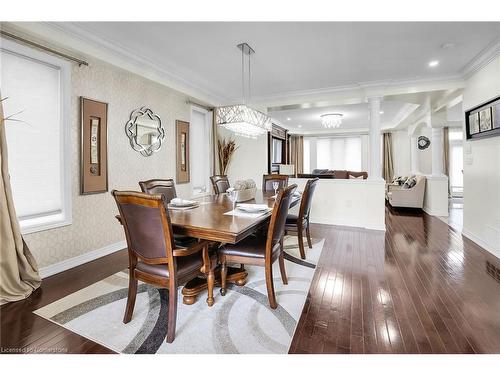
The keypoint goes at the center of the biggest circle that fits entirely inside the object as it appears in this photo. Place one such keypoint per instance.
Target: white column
(414, 154)
(375, 172)
(437, 151)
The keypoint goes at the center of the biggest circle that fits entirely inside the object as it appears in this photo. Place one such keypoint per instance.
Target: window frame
(51, 220)
(208, 123)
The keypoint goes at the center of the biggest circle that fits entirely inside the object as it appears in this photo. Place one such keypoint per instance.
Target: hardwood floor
(418, 288)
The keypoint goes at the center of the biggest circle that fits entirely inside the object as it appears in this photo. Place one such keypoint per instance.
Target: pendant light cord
(243, 75)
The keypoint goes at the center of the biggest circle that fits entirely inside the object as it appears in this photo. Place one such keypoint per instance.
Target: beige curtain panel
(388, 166)
(297, 153)
(18, 270)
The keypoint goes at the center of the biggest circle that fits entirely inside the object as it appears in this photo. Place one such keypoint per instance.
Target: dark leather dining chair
(268, 179)
(261, 250)
(301, 221)
(167, 188)
(220, 183)
(158, 186)
(153, 256)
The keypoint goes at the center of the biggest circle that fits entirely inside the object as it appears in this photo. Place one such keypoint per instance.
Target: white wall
(425, 156)
(401, 153)
(94, 226)
(482, 167)
(354, 203)
(249, 160)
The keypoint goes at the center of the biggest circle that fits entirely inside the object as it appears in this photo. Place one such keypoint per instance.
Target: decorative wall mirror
(145, 131)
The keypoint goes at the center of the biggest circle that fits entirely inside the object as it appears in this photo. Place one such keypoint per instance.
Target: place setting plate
(182, 204)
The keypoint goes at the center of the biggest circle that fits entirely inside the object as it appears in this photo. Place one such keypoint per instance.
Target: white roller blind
(33, 89)
(334, 153)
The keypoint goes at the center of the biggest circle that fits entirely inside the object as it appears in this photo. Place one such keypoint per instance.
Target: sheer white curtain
(201, 150)
(335, 153)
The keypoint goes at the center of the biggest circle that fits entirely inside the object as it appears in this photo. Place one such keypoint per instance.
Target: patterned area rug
(239, 322)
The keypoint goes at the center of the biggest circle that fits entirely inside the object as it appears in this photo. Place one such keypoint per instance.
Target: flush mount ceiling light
(434, 63)
(331, 120)
(242, 119)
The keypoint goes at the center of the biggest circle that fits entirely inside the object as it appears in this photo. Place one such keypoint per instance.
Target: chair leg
(223, 275)
(300, 232)
(282, 264)
(270, 286)
(308, 234)
(210, 288)
(172, 312)
(132, 293)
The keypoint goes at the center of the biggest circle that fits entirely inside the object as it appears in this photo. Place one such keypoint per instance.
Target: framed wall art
(483, 120)
(94, 146)
(182, 147)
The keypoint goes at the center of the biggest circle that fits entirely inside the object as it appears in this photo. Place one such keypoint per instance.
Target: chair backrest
(278, 218)
(307, 195)
(220, 183)
(156, 186)
(147, 226)
(268, 179)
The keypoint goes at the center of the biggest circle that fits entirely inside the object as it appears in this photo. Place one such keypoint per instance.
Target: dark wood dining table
(208, 222)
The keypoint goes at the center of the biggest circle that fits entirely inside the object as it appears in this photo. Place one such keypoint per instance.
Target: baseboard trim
(81, 259)
(435, 213)
(481, 243)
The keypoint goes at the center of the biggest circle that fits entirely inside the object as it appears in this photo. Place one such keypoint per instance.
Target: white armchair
(412, 197)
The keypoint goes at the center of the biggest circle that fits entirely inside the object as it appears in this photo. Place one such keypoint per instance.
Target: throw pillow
(355, 178)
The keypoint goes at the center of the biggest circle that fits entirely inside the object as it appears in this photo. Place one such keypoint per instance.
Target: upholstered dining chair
(167, 188)
(268, 179)
(300, 222)
(220, 183)
(261, 250)
(158, 186)
(153, 256)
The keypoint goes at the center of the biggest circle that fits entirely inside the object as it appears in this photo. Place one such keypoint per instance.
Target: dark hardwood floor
(418, 288)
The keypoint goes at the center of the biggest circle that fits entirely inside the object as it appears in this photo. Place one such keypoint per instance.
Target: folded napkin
(253, 206)
(182, 202)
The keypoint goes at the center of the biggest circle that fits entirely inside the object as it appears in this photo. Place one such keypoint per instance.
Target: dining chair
(268, 179)
(261, 250)
(167, 188)
(153, 256)
(220, 183)
(301, 221)
(159, 186)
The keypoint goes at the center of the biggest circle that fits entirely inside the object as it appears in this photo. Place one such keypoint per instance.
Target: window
(201, 146)
(278, 151)
(35, 86)
(455, 137)
(335, 153)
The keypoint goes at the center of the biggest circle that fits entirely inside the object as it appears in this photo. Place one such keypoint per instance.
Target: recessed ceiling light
(299, 126)
(447, 45)
(288, 119)
(381, 112)
(434, 63)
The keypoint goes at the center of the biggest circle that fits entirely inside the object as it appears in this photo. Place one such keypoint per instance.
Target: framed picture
(182, 147)
(484, 120)
(94, 146)
(474, 123)
(495, 114)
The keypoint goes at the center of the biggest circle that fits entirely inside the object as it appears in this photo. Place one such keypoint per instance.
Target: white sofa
(399, 196)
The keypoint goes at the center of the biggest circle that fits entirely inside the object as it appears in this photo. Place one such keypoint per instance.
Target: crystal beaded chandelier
(331, 120)
(242, 119)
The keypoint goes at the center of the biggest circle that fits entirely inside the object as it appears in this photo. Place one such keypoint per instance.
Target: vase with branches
(226, 148)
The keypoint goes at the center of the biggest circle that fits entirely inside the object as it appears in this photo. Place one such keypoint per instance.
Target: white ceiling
(297, 56)
(355, 117)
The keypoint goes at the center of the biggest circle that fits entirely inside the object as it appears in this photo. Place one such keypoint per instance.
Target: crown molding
(74, 38)
(358, 92)
(482, 59)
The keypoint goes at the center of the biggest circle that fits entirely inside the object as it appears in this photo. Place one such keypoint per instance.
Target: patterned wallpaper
(94, 225)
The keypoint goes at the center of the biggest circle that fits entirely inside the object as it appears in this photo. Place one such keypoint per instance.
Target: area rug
(239, 322)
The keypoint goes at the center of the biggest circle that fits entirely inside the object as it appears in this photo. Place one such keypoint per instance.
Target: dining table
(212, 220)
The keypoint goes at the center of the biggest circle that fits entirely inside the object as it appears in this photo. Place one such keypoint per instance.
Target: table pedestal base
(198, 285)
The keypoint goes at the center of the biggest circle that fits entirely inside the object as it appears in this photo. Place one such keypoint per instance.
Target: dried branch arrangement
(226, 150)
